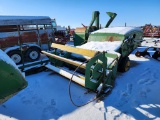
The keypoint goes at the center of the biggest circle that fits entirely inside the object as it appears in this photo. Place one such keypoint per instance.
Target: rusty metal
(144, 53)
(61, 37)
(80, 30)
(21, 34)
(151, 31)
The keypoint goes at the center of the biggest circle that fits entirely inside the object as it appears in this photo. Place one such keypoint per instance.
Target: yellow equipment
(94, 70)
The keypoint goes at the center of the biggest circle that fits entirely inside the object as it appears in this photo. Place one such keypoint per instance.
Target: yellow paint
(75, 63)
(85, 52)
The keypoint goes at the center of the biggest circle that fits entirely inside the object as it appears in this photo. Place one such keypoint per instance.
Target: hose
(69, 87)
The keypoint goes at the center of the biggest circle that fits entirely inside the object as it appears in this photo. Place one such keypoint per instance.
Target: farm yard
(79, 60)
(135, 96)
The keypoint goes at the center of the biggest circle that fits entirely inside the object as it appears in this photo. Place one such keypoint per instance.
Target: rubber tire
(156, 55)
(29, 56)
(15, 52)
(124, 64)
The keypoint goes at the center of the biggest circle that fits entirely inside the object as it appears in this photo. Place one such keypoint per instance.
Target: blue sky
(75, 12)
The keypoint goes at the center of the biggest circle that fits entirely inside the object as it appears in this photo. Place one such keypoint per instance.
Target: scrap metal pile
(151, 31)
(150, 44)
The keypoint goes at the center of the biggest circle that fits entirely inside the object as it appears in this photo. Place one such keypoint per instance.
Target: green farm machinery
(127, 38)
(122, 40)
(82, 33)
(97, 54)
(94, 64)
(94, 70)
(11, 79)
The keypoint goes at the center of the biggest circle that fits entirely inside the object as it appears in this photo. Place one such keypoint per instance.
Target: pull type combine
(96, 61)
(11, 79)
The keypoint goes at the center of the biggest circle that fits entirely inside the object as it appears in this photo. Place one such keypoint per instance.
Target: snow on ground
(151, 42)
(134, 97)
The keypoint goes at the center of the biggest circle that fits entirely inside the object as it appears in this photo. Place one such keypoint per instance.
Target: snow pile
(109, 47)
(102, 46)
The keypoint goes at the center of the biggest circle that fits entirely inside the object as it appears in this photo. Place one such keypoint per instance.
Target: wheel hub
(16, 58)
(33, 55)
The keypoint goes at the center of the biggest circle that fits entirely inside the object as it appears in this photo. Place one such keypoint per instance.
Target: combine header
(94, 69)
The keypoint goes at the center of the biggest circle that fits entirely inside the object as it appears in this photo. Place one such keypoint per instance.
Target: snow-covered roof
(22, 20)
(118, 30)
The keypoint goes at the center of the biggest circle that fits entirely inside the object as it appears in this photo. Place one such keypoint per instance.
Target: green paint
(11, 81)
(95, 67)
(80, 38)
(104, 37)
